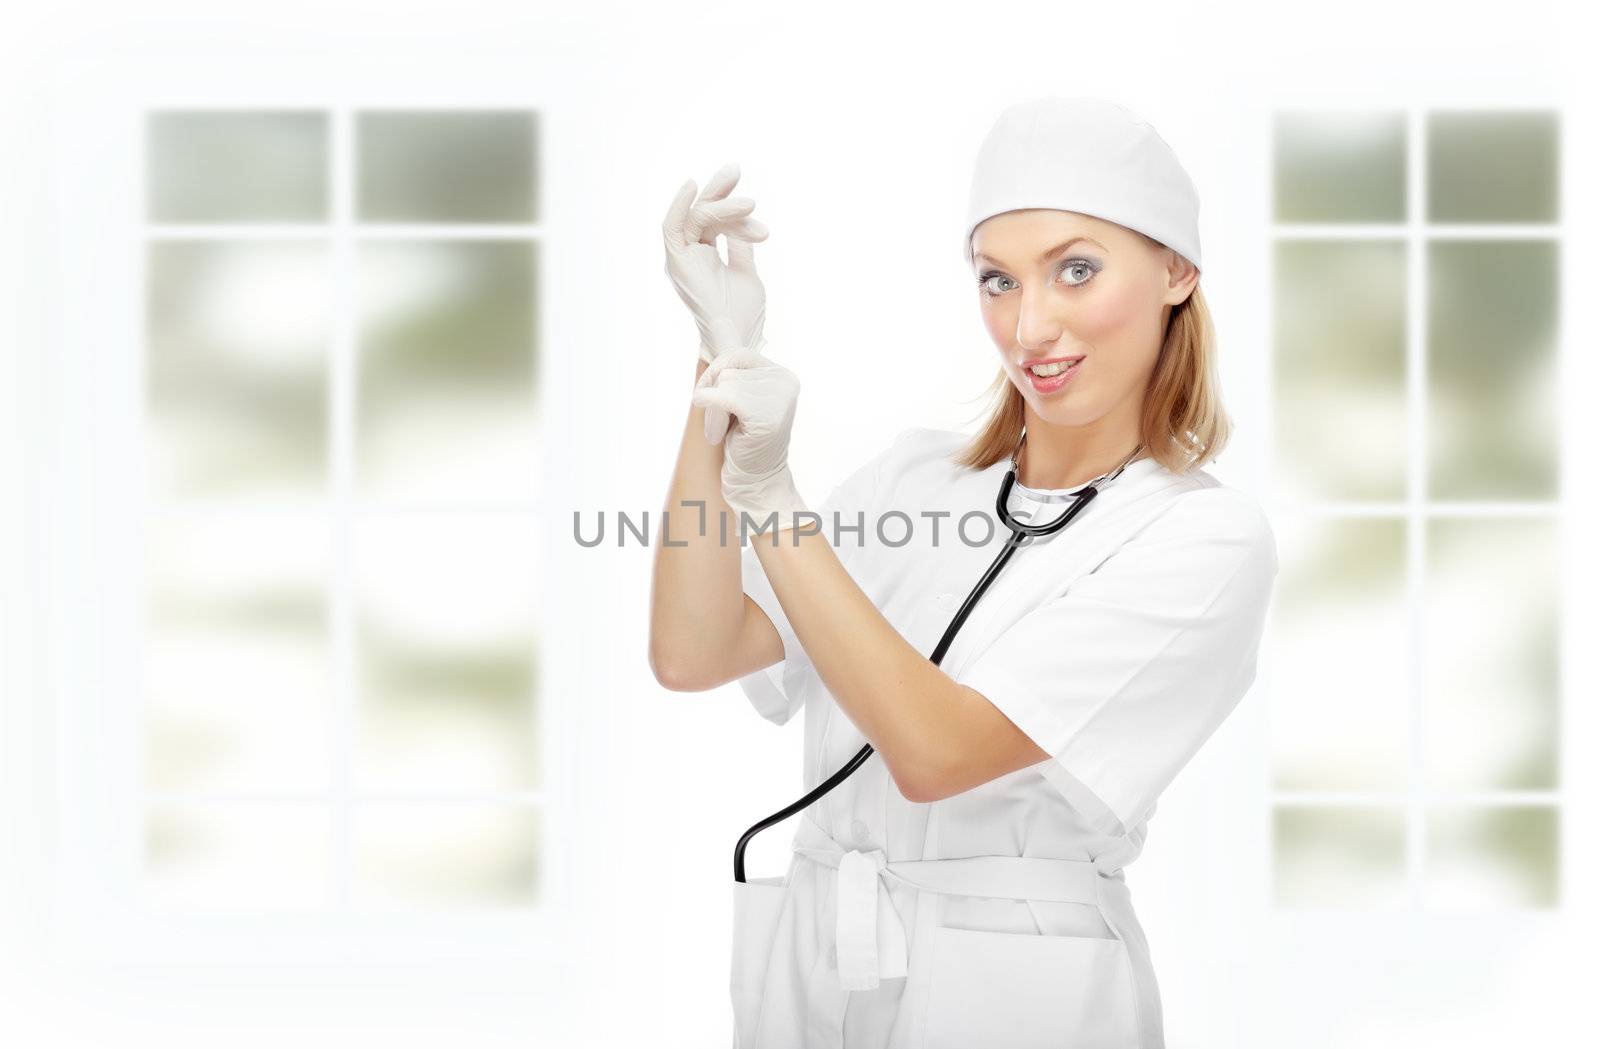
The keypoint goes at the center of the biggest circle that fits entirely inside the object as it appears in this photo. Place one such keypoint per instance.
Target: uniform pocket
(757, 902)
(1027, 991)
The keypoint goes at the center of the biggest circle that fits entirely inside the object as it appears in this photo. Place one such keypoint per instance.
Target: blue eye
(1082, 264)
(1089, 267)
(983, 282)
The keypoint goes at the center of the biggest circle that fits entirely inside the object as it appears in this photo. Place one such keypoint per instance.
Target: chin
(1062, 411)
(1058, 417)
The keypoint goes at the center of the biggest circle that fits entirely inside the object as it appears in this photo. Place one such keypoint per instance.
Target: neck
(1068, 457)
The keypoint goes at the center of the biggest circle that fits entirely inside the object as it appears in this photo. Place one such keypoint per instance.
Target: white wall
(855, 127)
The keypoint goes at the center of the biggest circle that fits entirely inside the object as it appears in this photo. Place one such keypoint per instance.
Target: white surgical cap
(1090, 156)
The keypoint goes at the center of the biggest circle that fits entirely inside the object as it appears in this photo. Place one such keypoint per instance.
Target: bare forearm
(696, 594)
(908, 709)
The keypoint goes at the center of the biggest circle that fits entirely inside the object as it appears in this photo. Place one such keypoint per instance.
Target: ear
(1181, 278)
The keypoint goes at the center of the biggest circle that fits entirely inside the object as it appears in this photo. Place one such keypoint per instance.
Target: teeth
(1044, 371)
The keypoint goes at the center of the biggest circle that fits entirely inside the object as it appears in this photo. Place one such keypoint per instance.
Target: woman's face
(1046, 295)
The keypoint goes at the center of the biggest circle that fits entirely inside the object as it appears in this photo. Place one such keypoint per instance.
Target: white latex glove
(728, 300)
(761, 394)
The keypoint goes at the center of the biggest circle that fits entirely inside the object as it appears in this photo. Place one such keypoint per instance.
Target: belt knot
(865, 918)
(866, 914)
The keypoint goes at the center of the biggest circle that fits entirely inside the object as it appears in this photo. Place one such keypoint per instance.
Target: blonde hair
(1182, 425)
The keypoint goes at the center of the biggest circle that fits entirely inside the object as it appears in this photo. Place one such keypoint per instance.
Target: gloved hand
(728, 301)
(761, 394)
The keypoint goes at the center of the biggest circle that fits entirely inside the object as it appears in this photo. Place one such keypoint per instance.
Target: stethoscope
(1021, 533)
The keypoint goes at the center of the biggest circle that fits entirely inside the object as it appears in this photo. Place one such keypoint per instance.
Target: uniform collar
(1131, 476)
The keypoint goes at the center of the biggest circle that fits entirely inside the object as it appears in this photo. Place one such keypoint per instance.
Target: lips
(1050, 360)
(1054, 383)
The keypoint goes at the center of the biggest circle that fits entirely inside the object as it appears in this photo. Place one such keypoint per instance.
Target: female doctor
(965, 886)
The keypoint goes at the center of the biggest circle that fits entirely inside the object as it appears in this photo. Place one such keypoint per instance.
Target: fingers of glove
(752, 367)
(742, 253)
(749, 231)
(679, 253)
(709, 218)
(721, 184)
(689, 221)
(716, 425)
(736, 392)
(677, 215)
(745, 357)
(719, 404)
(729, 392)
(738, 358)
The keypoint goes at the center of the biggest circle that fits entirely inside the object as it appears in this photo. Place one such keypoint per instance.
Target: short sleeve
(774, 690)
(1125, 675)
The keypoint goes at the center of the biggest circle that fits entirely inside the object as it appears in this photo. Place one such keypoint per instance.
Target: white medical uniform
(1119, 644)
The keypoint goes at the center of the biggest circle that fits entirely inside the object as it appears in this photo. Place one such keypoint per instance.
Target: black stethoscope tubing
(1021, 533)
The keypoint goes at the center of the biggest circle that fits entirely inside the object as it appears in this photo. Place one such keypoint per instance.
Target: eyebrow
(1053, 251)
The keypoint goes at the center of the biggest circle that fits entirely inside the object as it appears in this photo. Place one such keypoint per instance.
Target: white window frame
(1417, 233)
(1388, 973)
(96, 496)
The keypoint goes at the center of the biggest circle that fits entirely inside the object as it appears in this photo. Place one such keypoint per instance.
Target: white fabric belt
(866, 916)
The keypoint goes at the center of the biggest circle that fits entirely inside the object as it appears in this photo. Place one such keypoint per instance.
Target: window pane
(230, 166)
(1346, 856)
(446, 370)
(447, 855)
(236, 662)
(446, 630)
(237, 369)
(245, 857)
(1493, 413)
(1491, 661)
(446, 166)
(1493, 167)
(1493, 857)
(1339, 167)
(1339, 316)
(1339, 705)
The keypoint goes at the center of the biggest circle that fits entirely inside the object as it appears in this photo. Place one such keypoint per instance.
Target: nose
(1037, 323)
